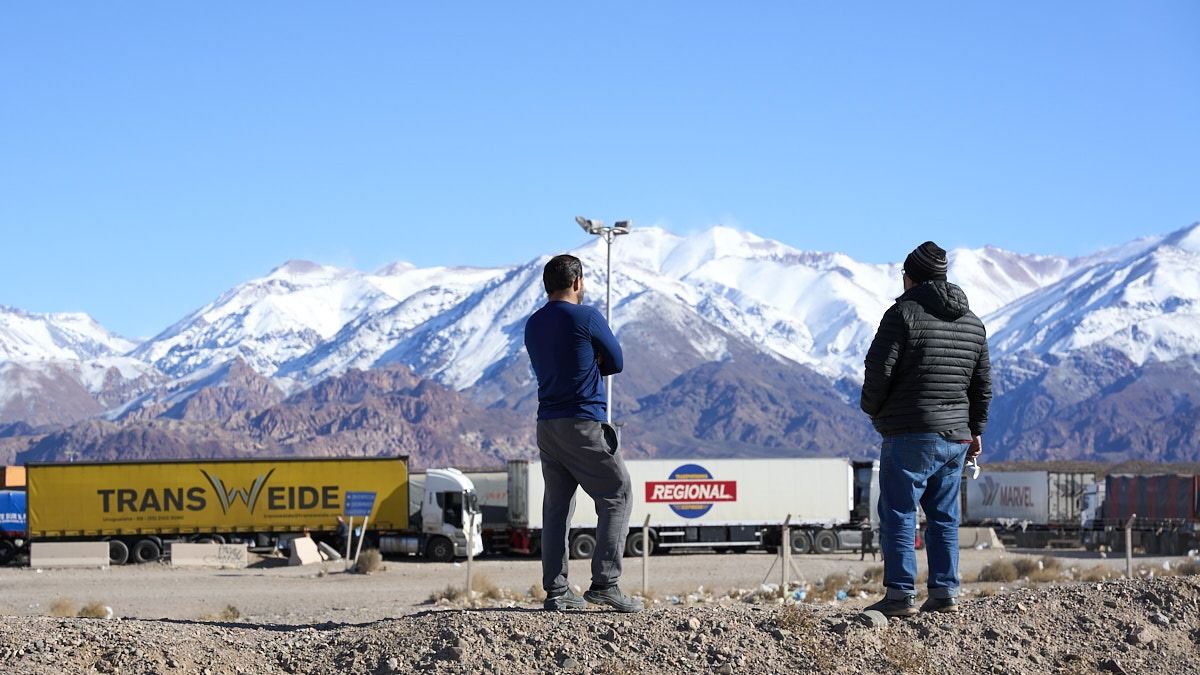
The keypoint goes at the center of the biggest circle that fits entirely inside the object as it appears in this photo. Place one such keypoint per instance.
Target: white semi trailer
(719, 504)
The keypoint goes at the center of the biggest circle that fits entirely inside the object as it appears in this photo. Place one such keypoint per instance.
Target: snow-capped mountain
(680, 302)
(294, 309)
(63, 336)
(1145, 306)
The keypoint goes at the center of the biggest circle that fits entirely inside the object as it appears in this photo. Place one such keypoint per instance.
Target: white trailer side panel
(683, 493)
(1008, 495)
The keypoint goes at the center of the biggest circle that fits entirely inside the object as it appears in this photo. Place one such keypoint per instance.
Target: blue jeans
(924, 470)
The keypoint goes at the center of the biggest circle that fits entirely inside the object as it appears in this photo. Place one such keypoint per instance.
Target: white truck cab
(449, 509)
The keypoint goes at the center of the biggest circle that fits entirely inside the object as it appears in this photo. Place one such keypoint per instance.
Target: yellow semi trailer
(140, 508)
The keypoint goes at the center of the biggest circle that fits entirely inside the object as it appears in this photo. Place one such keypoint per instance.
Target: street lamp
(597, 227)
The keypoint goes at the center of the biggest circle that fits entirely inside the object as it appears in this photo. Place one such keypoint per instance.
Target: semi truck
(718, 504)
(13, 532)
(1042, 509)
(491, 490)
(141, 508)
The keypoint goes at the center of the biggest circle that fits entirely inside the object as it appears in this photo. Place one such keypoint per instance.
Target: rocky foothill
(1139, 626)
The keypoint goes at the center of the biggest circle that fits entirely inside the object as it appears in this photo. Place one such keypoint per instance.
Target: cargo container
(13, 532)
(720, 504)
(1032, 509)
(12, 477)
(1165, 509)
(142, 507)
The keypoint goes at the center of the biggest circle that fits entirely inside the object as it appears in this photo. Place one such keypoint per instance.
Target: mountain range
(735, 345)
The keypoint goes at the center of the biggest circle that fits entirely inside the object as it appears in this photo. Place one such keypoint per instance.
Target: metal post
(349, 539)
(361, 537)
(608, 318)
(785, 550)
(470, 556)
(645, 555)
(1129, 547)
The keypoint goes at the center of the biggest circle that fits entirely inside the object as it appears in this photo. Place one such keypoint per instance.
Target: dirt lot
(279, 619)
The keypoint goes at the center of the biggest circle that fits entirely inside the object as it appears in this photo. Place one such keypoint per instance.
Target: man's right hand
(975, 449)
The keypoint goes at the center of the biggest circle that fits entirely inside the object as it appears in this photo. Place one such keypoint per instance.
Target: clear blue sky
(154, 154)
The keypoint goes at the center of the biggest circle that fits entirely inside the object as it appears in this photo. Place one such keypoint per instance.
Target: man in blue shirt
(571, 349)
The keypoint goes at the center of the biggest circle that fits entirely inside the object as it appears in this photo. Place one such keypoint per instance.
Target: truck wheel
(633, 545)
(440, 550)
(8, 551)
(825, 542)
(583, 546)
(118, 552)
(801, 542)
(145, 551)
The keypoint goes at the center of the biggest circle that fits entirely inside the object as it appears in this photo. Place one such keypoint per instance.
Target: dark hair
(561, 272)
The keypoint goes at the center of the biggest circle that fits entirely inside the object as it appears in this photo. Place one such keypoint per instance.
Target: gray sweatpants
(582, 453)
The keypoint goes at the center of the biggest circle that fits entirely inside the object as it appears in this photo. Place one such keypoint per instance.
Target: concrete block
(304, 552)
(49, 554)
(979, 537)
(210, 555)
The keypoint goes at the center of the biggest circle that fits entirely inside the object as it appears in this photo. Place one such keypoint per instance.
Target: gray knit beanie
(927, 262)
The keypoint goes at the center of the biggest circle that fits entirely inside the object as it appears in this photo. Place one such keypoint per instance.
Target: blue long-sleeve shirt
(571, 347)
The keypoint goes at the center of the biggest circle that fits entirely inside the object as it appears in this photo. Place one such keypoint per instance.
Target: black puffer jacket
(927, 369)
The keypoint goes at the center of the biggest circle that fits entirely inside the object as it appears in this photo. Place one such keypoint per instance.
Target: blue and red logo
(691, 491)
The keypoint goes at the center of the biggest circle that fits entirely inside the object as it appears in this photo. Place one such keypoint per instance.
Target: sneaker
(940, 605)
(613, 597)
(563, 601)
(898, 607)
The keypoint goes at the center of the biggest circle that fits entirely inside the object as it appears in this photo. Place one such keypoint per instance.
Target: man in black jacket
(927, 388)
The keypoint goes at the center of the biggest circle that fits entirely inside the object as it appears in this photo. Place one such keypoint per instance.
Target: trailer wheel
(583, 546)
(118, 552)
(440, 550)
(145, 551)
(801, 542)
(633, 545)
(825, 542)
(8, 551)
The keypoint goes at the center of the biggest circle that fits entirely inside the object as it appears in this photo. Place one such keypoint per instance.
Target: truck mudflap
(521, 541)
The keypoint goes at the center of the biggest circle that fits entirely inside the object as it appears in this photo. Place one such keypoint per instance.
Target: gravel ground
(301, 595)
(1140, 626)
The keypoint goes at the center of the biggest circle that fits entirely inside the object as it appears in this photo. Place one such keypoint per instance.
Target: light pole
(598, 228)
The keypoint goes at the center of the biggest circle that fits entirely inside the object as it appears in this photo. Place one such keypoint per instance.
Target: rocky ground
(1140, 626)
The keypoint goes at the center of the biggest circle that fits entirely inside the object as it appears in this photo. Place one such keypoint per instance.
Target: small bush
(874, 573)
(369, 562)
(796, 619)
(1189, 568)
(1097, 573)
(539, 594)
(999, 571)
(484, 587)
(94, 610)
(62, 607)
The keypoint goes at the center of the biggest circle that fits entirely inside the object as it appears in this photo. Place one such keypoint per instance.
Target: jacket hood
(942, 299)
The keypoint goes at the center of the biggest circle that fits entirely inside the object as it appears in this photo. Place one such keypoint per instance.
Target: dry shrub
(230, 613)
(486, 588)
(537, 593)
(828, 589)
(874, 573)
(999, 571)
(796, 619)
(62, 607)
(985, 592)
(93, 610)
(1097, 573)
(1189, 568)
(451, 592)
(369, 562)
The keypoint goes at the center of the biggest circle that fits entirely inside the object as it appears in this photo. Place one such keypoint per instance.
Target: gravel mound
(1139, 626)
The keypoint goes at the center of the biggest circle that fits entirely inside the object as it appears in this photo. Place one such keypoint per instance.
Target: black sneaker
(940, 605)
(899, 607)
(613, 597)
(563, 601)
